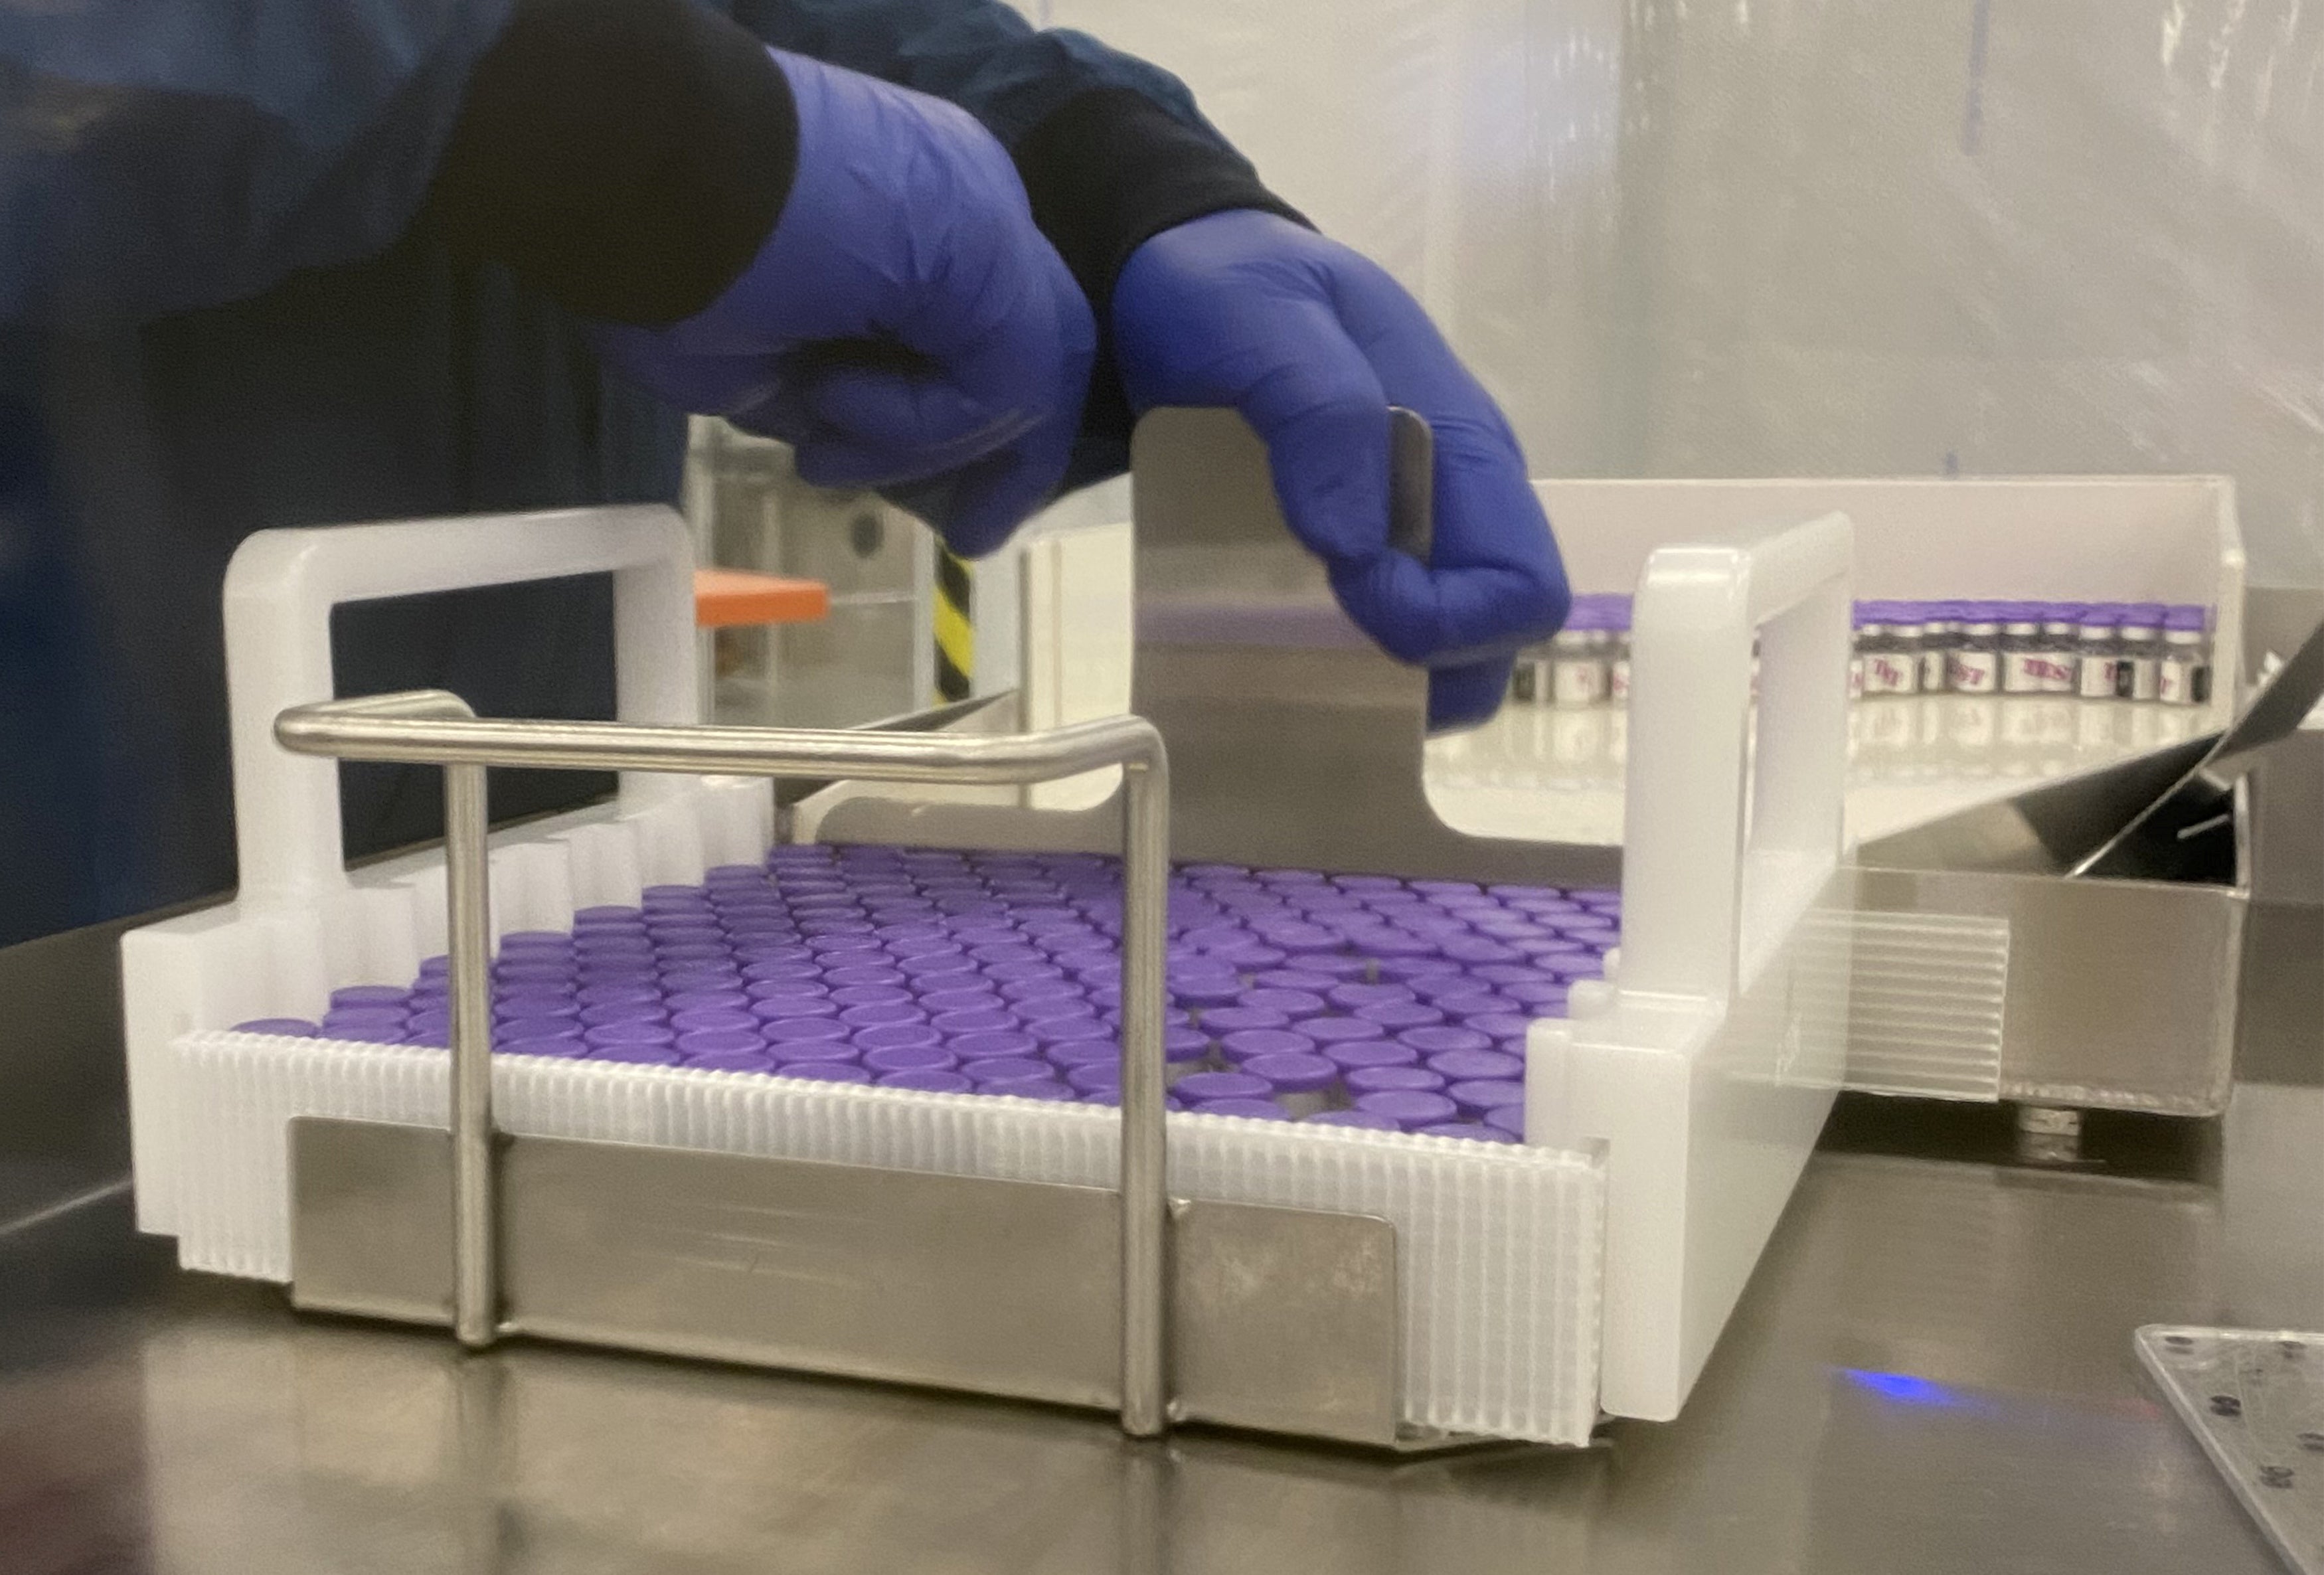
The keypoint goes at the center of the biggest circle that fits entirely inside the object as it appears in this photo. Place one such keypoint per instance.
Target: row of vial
(2103, 651)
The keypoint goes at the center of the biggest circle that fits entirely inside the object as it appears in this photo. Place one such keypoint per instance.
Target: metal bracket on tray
(1293, 741)
(1260, 1317)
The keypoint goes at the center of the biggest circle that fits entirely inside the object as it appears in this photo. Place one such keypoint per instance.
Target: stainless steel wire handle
(433, 727)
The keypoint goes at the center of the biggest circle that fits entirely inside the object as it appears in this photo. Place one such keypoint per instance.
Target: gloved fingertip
(1469, 696)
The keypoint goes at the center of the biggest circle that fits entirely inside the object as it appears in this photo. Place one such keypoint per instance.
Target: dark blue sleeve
(979, 54)
(161, 154)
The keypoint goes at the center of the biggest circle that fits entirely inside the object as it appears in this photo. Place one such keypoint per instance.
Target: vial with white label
(2060, 646)
(2183, 672)
(2138, 653)
(1973, 665)
(1577, 666)
(1892, 666)
(1940, 632)
(2095, 660)
(2021, 649)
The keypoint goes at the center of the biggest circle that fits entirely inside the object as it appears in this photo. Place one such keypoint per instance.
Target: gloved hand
(904, 326)
(1312, 343)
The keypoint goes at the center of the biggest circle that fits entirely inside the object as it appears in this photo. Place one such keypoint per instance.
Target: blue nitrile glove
(904, 326)
(1312, 343)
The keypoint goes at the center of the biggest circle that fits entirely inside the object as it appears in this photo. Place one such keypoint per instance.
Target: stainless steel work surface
(1931, 1371)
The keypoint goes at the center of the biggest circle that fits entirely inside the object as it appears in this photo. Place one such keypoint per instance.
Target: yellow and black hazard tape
(955, 618)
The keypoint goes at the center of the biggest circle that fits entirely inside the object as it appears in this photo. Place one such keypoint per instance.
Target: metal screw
(2180, 1342)
(2226, 1405)
(2313, 1442)
(2276, 1476)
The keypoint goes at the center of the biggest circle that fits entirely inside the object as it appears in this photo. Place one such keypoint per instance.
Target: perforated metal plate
(2254, 1400)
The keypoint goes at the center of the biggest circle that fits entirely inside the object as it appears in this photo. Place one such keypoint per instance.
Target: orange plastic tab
(727, 598)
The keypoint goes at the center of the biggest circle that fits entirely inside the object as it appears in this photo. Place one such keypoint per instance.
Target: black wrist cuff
(626, 157)
(1110, 168)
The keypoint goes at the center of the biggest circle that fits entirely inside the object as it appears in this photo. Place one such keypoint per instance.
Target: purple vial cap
(606, 914)
(881, 1017)
(918, 1058)
(1463, 1065)
(959, 999)
(1219, 992)
(864, 978)
(1365, 1119)
(720, 1041)
(824, 1072)
(1504, 1028)
(863, 995)
(1292, 1073)
(534, 1028)
(369, 995)
(1437, 1038)
(2187, 617)
(287, 1028)
(1354, 1057)
(1095, 1077)
(1366, 1080)
(895, 1036)
(617, 1034)
(985, 1043)
(1397, 1015)
(533, 972)
(697, 1000)
(1478, 1097)
(991, 1068)
(1084, 1053)
(1294, 1004)
(1427, 965)
(639, 1054)
(1234, 1019)
(973, 1022)
(1221, 1085)
(1300, 979)
(927, 1080)
(1340, 1030)
(1349, 997)
(1545, 997)
(805, 1030)
(1183, 1045)
(1509, 1118)
(1475, 1132)
(1245, 1042)
(787, 1008)
(366, 1034)
(1070, 1030)
(1408, 1108)
(715, 1018)
(650, 1010)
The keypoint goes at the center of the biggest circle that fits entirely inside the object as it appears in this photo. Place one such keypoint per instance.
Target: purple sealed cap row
(1246, 1043)
(1410, 1109)
(1258, 1110)
(288, 1027)
(1290, 1073)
